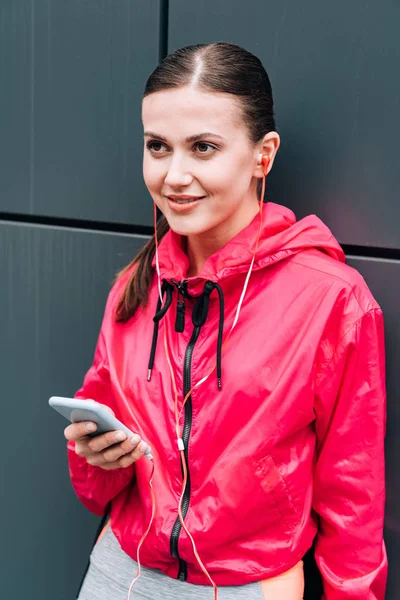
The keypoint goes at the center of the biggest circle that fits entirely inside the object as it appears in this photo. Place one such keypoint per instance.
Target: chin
(185, 227)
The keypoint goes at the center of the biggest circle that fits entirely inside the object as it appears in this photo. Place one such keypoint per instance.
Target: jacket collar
(281, 236)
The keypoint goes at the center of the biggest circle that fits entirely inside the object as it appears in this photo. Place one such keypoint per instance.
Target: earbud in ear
(264, 159)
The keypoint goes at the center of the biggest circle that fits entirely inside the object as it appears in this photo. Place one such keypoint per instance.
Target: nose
(178, 174)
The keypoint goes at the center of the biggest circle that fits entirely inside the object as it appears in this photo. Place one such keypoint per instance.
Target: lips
(184, 199)
(184, 205)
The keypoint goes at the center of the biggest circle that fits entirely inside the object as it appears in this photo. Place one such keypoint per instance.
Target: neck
(200, 247)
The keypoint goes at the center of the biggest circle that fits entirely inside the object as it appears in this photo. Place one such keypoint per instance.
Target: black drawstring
(160, 312)
(200, 309)
(199, 316)
(220, 334)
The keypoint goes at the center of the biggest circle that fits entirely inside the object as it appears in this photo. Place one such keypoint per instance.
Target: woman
(283, 441)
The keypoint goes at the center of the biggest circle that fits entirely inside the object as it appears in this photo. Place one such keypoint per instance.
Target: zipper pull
(180, 312)
(180, 307)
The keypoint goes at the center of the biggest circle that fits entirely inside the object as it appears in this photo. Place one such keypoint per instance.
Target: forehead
(188, 109)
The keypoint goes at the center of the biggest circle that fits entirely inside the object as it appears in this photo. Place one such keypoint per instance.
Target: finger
(76, 431)
(111, 466)
(113, 453)
(101, 442)
(82, 449)
(105, 459)
(130, 444)
(135, 455)
(127, 459)
(97, 459)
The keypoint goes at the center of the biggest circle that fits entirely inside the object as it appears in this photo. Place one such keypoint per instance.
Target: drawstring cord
(199, 316)
(220, 334)
(160, 312)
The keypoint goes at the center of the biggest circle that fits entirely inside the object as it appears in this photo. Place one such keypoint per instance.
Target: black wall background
(74, 209)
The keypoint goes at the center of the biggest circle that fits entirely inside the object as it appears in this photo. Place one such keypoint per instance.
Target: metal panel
(332, 69)
(54, 287)
(72, 76)
(383, 279)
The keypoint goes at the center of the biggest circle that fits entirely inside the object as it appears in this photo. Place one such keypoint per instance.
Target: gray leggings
(111, 572)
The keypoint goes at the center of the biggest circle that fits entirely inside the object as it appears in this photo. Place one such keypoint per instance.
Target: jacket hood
(281, 236)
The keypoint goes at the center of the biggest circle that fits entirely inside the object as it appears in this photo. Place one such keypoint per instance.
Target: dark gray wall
(383, 278)
(56, 282)
(71, 80)
(333, 72)
(333, 68)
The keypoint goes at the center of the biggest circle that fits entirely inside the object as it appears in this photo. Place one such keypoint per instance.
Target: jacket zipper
(187, 382)
(180, 307)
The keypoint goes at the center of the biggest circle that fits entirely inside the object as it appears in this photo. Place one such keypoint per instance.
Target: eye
(198, 144)
(151, 146)
(154, 147)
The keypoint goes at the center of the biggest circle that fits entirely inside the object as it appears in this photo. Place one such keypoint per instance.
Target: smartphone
(76, 410)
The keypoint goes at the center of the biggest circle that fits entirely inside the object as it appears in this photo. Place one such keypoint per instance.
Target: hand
(111, 450)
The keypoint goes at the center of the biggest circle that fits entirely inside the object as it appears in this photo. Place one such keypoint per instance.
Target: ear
(269, 146)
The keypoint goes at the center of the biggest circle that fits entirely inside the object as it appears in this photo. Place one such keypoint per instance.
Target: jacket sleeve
(94, 486)
(349, 485)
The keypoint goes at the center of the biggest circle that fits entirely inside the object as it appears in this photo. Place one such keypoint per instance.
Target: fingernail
(134, 440)
(119, 436)
(90, 426)
(143, 447)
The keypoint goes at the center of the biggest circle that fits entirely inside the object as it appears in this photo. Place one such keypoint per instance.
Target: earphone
(265, 160)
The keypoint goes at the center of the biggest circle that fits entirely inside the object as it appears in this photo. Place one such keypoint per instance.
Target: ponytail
(137, 288)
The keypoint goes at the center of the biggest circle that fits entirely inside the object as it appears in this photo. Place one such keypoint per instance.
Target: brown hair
(219, 67)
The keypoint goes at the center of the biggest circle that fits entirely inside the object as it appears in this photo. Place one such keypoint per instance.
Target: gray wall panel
(71, 80)
(332, 68)
(383, 279)
(72, 76)
(55, 284)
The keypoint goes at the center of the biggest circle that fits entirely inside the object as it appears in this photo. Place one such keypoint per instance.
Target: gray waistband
(111, 572)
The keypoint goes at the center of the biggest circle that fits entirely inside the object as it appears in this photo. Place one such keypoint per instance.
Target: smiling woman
(263, 401)
(219, 167)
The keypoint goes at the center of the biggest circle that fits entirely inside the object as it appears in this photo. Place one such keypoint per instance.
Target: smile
(180, 205)
(186, 201)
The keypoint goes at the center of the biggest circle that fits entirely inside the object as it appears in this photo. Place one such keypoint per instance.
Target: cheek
(154, 180)
(218, 178)
(227, 179)
(227, 186)
(149, 175)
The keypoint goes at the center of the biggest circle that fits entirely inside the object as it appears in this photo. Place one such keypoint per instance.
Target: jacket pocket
(277, 493)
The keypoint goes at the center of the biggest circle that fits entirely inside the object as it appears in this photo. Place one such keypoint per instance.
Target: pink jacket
(291, 445)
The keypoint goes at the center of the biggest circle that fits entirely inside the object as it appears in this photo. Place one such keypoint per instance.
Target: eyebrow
(191, 138)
